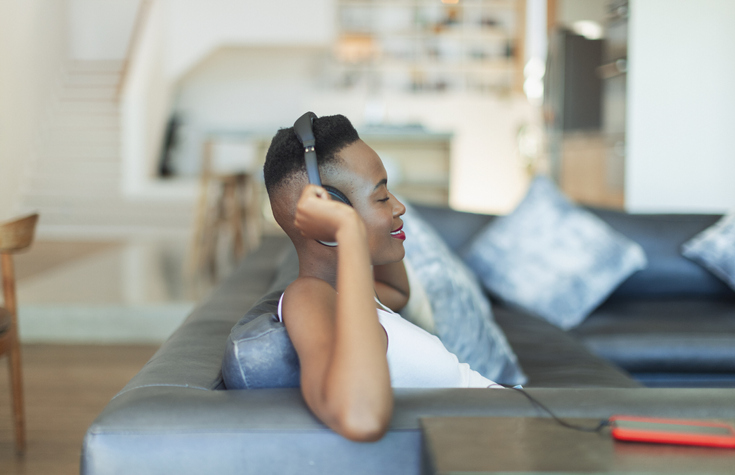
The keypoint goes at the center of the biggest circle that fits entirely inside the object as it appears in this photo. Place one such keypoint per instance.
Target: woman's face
(362, 177)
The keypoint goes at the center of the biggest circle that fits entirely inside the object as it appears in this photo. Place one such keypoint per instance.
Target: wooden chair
(14, 236)
(228, 211)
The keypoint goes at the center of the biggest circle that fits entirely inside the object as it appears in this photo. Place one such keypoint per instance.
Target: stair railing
(141, 18)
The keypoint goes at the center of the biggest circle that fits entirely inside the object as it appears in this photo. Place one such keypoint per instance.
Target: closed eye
(384, 199)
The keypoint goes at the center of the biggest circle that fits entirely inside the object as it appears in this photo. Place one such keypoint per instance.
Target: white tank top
(418, 359)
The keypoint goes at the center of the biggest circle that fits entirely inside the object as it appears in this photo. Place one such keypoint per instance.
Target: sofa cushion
(552, 358)
(664, 335)
(552, 258)
(462, 314)
(714, 248)
(668, 274)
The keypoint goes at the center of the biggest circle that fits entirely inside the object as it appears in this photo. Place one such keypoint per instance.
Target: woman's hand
(319, 217)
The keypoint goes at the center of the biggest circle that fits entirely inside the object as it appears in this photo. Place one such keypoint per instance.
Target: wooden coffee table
(475, 445)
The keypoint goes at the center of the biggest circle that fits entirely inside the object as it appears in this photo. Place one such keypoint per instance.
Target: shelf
(474, 33)
(427, 45)
(428, 3)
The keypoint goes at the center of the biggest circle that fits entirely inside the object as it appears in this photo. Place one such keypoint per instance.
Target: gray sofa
(175, 416)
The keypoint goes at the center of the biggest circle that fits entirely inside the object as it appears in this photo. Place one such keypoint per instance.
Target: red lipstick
(398, 233)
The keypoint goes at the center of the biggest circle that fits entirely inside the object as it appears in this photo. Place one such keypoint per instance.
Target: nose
(399, 209)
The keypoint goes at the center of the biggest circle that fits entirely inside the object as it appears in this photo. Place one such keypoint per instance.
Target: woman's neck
(319, 263)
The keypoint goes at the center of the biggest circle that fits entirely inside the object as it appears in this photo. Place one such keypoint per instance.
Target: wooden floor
(66, 386)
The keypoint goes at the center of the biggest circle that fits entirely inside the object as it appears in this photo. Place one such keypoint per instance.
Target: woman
(339, 311)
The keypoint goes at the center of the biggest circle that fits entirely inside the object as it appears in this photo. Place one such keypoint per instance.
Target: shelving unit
(418, 162)
(428, 45)
(592, 158)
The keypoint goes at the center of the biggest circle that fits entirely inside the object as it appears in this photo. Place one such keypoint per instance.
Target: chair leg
(16, 379)
(16, 384)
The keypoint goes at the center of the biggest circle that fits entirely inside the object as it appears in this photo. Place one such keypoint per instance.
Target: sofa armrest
(191, 431)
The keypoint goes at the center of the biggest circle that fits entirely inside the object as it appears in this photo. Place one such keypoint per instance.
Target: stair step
(86, 66)
(71, 125)
(48, 178)
(108, 79)
(84, 151)
(75, 163)
(93, 167)
(88, 93)
(88, 108)
(102, 101)
(84, 136)
(73, 142)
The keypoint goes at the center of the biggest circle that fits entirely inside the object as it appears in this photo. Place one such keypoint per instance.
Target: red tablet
(672, 431)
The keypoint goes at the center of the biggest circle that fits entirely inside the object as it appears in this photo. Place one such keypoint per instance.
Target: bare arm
(391, 285)
(341, 345)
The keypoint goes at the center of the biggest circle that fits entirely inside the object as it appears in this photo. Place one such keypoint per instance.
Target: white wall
(242, 88)
(100, 29)
(32, 49)
(570, 11)
(198, 27)
(144, 109)
(681, 106)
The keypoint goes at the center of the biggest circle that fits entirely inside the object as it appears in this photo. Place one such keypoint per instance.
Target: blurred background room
(137, 130)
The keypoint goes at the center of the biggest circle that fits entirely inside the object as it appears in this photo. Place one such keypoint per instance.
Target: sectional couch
(672, 324)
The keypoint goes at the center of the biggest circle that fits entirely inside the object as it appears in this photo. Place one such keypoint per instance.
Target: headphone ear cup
(337, 195)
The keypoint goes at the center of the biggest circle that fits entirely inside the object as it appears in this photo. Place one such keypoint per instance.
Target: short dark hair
(286, 154)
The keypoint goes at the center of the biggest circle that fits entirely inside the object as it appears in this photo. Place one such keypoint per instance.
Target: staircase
(76, 180)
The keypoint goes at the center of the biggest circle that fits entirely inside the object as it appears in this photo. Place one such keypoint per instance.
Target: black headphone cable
(603, 423)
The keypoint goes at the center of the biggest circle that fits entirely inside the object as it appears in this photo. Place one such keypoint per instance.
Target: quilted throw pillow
(462, 316)
(552, 258)
(714, 248)
(418, 309)
(259, 353)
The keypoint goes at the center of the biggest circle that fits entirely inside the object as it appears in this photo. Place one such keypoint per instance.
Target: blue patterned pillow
(714, 248)
(462, 317)
(259, 353)
(552, 258)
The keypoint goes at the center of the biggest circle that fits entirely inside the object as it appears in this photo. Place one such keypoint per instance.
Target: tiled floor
(103, 292)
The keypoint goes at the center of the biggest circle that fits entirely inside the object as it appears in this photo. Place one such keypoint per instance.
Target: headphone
(305, 134)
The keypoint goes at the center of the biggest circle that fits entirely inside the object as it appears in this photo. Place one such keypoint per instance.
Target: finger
(322, 193)
(315, 191)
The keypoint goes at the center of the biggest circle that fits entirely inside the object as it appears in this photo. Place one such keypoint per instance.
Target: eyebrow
(384, 181)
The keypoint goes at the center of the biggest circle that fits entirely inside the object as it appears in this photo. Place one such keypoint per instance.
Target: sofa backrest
(661, 236)
(668, 273)
(192, 355)
(456, 228)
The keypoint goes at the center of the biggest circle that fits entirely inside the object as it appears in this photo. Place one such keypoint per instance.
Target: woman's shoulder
(307, 308)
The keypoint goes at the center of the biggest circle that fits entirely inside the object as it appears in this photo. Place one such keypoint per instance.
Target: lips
(398, 233)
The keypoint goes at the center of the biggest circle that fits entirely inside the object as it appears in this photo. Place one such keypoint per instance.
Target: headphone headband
(305, 134)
